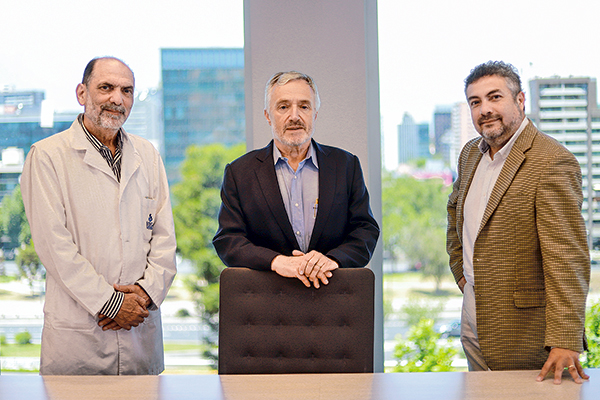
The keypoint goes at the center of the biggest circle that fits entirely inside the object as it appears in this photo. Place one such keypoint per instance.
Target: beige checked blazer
(531, 259)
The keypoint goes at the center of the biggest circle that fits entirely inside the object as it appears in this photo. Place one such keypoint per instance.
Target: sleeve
(161, 264)
(54, 244)
(231, 240)
(453, 243)
(565, 254)
(363, 231)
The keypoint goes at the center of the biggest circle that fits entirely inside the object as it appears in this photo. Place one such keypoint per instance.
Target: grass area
(178, 347)
(8, 295)
(33, 350)
(20, 350)
(7, 278)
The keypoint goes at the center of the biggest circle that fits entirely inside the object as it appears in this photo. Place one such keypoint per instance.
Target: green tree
(196, 206)
(13, 220)
(422, 352)
(23, 337)
(592, 330)
(414, 223)
(29, 264)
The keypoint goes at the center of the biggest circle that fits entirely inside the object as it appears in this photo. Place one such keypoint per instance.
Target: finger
(558, 374)
(544, 372)
(141, 301)
(297, 253)
(122, 288)
(304, 280)
(575, 373)
(104, 322)
(311, 264)
(581, 371)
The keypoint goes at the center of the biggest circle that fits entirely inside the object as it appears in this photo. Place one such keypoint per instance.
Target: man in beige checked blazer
(516, 237)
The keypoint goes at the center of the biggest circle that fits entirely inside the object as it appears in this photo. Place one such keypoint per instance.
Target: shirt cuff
(113, 305)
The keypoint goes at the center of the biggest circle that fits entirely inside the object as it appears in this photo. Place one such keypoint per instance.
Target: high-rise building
(442, 124)
(203, 101)
(24, 120)
(462, 130)
(413, 140)
(567, 109)
(146, 118)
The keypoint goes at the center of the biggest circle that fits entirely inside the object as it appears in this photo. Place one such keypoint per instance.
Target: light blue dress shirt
(300, 193)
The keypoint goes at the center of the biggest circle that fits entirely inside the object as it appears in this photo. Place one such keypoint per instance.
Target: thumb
(122, 288)
(297, 253)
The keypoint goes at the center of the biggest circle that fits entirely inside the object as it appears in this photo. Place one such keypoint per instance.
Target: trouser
(468, 331)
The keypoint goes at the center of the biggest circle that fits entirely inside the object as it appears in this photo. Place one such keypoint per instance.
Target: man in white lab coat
(97, 201)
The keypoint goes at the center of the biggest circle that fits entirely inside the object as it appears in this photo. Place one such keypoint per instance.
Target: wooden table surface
(512, 385)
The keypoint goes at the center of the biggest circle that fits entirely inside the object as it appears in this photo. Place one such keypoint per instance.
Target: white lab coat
(91, 231)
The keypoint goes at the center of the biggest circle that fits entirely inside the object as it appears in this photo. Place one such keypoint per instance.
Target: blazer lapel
(470, 167)
(267, 179)
(327, 188)
(509, 170)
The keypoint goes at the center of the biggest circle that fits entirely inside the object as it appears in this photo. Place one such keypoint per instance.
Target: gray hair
(281, 78)
(89, 68)
(499, 68)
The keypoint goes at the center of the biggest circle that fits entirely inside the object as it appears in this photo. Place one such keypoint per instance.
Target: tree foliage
(422, 351)
(414, 223)
(592, 330)
(196, 206)
(13, 222)
(16, 234)
(29, 264)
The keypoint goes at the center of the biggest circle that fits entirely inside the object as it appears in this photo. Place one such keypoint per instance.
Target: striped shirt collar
(114, 162)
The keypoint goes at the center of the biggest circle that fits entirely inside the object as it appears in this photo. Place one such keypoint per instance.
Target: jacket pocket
(530, 298)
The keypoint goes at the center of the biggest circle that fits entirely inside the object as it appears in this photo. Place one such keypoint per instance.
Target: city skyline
(425, 48)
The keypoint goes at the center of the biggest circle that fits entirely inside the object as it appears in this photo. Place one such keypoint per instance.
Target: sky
(426, 48)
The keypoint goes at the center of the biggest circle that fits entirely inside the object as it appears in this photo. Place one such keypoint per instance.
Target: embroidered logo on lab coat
(150, 222)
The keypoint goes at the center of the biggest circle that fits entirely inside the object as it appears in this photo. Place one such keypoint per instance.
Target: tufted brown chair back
(269, 324)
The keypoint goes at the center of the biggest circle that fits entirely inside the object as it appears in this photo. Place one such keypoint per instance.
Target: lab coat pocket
(70, 316)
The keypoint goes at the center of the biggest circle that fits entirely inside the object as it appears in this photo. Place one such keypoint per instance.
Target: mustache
(487, 118)
(294, 125)
(111, 107)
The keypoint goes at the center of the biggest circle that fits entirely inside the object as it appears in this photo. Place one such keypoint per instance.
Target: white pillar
(335, 42)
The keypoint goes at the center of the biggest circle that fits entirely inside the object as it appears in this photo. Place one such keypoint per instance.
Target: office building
(461, 131)
(413, 140)
(567, 109)
(442, 124)
(146, 118)
(24, 119)
(203, 100)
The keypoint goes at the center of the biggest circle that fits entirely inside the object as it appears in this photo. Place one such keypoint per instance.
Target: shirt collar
(309, 155)
(503, 152)
(94, 140)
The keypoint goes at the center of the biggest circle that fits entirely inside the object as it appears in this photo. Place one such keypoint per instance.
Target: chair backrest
(269, 324)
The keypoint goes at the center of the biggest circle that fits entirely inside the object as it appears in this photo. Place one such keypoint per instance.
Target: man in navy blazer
(296, 207)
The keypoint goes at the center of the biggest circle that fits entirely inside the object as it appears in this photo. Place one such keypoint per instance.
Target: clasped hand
(310, 267)
(133, 311)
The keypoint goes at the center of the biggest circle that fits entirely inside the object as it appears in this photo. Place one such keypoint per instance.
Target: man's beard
(499, 136)
(108, 120)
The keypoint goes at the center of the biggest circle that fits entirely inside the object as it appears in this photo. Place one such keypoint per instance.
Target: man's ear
(267, 116)
(81, 93)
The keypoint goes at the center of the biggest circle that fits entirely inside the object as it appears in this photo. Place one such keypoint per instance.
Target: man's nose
(486, 108)
(116, 97)
(294, 112)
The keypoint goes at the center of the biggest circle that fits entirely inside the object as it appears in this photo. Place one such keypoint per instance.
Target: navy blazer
(254, 227)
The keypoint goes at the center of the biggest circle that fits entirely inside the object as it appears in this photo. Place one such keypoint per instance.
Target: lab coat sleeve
(161, 266)
(44, 201)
